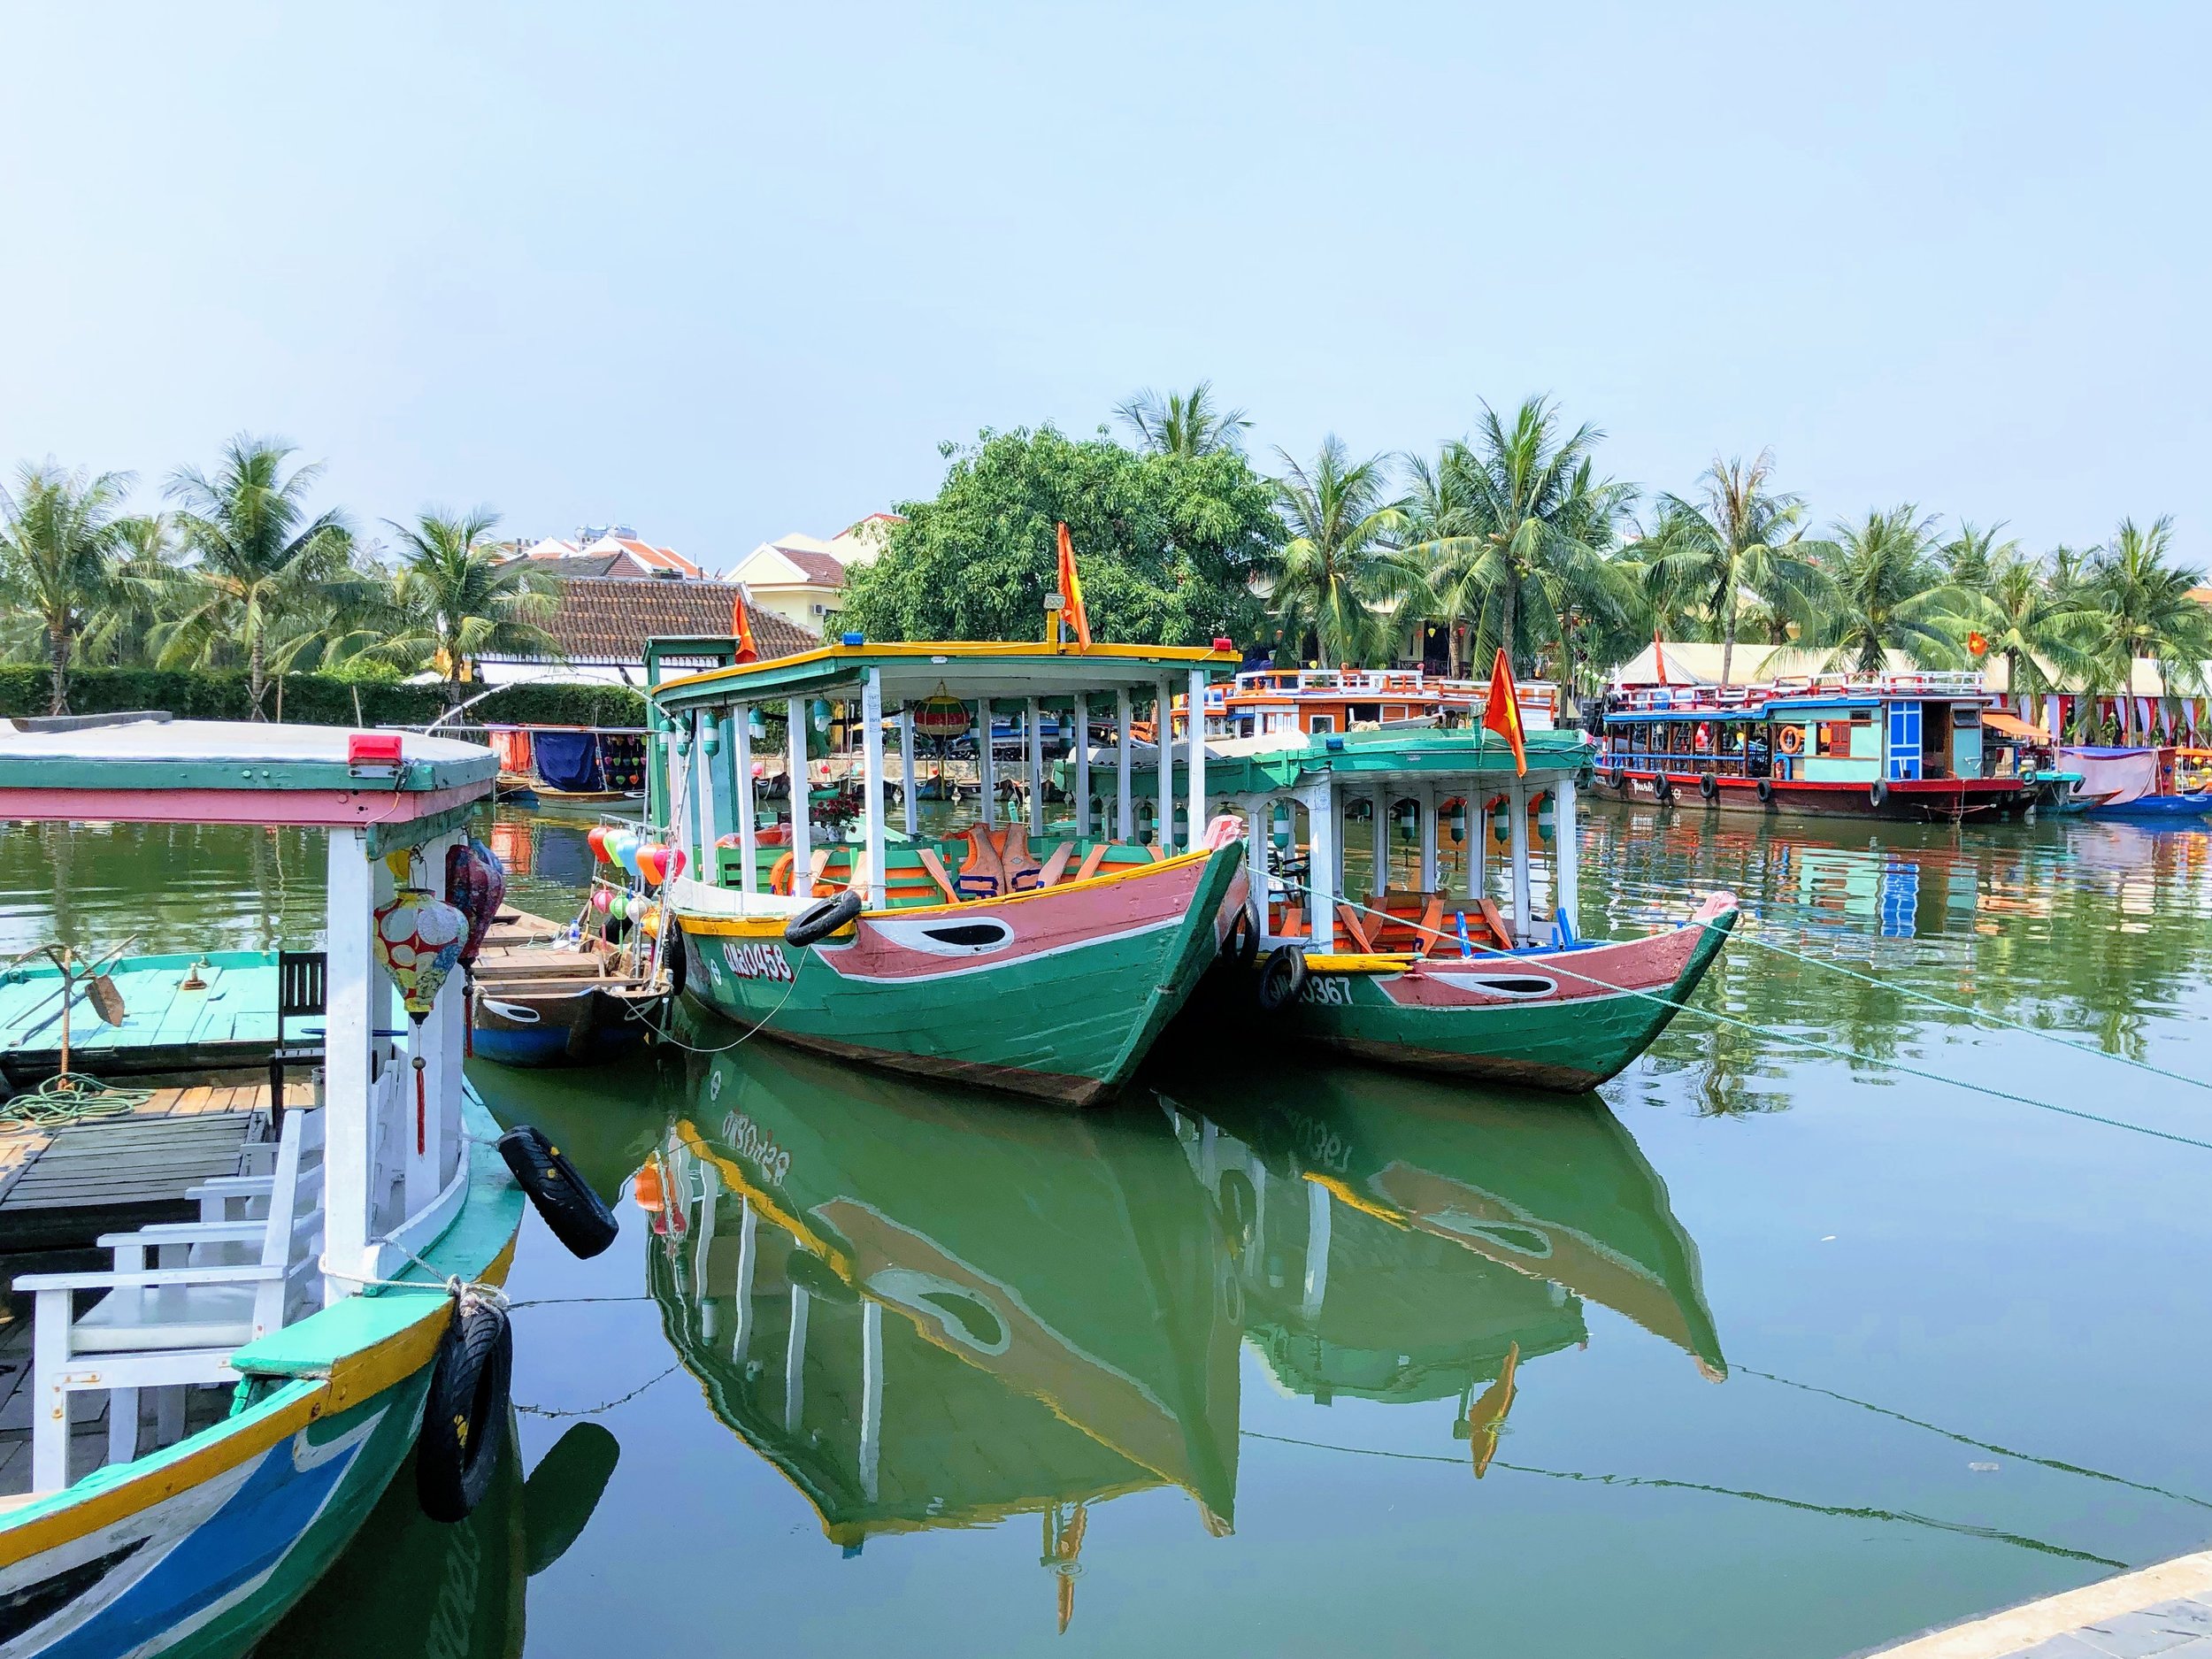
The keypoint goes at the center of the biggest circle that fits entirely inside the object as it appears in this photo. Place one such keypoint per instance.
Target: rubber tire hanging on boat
(1878, 792)
(1282, 977)
(1662, 787)
(1766, 791)
(822, 919)
(1243, 942)
(1706, 784)
(465, 1418)
(575, 1215)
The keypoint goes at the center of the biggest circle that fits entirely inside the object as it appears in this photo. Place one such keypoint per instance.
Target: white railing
(1691, 700)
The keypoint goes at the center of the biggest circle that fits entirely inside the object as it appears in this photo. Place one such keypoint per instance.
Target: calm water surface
(1804, 1354)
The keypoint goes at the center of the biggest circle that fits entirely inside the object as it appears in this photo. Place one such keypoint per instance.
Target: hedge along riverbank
(311, 699)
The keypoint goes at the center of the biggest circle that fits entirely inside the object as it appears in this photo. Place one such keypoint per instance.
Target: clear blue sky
(723, 273)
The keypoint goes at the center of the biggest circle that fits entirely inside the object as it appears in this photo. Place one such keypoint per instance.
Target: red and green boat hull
(1559, 1019)
(1058, 994)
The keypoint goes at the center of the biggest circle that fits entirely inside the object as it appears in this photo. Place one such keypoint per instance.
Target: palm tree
(2143, 609)
(459, 598)
(1182, 424)
(1516, 520)
(58, 538)
(1969, 556)
(1340, 576)
(260, 566)
(125, 628)
(1887, 594)
(2035, 625)
(1738, 535)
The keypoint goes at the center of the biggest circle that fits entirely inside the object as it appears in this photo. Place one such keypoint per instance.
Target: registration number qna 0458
(1332, 989)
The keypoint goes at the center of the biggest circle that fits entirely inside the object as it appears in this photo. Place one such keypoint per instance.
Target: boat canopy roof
(914, 671)
(1268, 765)
(147, 768)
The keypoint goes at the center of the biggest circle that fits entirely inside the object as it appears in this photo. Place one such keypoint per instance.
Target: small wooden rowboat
(538, 996)
(1042, 960)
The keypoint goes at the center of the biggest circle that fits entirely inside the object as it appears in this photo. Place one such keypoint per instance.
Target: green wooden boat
(321, 1322)
(1441, 964)
(1042, 960)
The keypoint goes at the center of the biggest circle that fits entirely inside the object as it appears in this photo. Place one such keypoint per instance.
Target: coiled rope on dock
(69, 1097)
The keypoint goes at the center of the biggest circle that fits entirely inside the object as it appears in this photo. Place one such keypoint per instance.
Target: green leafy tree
(1513, 531)
(1969, 556)
(60, 536)
(456, 597)
(126, 628)
(2143, 609)
(260, 566)
(1887, 593)
(1341, 578)
(1737, 537)
(1169, 546)
(1185, 424)
(2035, 625)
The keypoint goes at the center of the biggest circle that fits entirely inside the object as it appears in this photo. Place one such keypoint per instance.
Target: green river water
(1806, 1353)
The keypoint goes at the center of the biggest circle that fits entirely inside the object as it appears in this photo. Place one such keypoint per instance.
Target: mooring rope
(1779, 1035)
(69, 1097)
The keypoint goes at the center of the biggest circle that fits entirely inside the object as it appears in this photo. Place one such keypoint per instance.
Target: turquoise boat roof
(147, 768)
(1271, 764)
(967, 670)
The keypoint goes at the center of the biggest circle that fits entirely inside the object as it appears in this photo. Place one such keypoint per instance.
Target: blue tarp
(568, 760)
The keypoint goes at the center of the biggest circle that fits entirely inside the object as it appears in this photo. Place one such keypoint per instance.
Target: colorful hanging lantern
(468, 890)
(418, 938)
(495, 877)
(940, 715)
(597, 835)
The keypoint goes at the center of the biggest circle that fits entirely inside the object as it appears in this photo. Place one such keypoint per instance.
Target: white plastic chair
(221, 1283)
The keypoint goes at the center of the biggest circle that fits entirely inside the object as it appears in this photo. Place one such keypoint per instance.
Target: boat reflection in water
(1400, 1240)
(410, 1584)
(932, 1308)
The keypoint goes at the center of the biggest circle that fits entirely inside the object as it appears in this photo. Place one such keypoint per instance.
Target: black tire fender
(822, 919)
(1243, 942)
(576, 1215)
(1282, 977)
(1707, 785)
(464, 1416)
(1662, 787)
(1878, 792)
(1766, 791)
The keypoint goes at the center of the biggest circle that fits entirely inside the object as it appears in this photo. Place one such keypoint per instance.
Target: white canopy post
(741, 724)
(1164, 748)
(1424, 803)
(1259, 813)
(801, 837)
(986, 768)
(709, 733)
(1516, 803)
(1197, 724)
(1378, 804)
(1321, 861)
(1032, 728)
(906, 769)
(872, 784)
(1124, 808)
(1566, 858)
(1082, 766)
(351, 1009)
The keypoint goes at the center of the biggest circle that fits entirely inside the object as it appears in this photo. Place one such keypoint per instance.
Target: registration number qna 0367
(1333, 990)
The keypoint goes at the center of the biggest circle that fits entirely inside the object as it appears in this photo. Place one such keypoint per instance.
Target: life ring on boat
(575, 1215)
(822, 919)
(1706, 785)
(1878, 792)
(465, 1417)
(1766, 791)
(1282, 977)
(779, 875)
(1789, 740)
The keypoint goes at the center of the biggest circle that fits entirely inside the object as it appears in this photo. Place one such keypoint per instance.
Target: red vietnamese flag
(1502, 713)
(741, 626)
(1072, 616)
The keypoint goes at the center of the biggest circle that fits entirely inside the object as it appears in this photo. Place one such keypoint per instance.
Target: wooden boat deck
(180, 1008)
